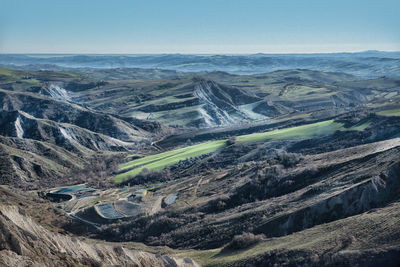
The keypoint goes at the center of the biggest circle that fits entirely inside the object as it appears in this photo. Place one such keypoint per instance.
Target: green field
(5, 71)
(390, 112)
(161, 160)
(299, 132)
(302, 132)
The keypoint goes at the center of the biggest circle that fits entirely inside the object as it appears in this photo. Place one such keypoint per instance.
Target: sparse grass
(182, 116)
(4, 71)
(303, 91)
(363, 231)
(390, 112)
(25, 79)
(153, 187)
(361, 126)
(95, 201)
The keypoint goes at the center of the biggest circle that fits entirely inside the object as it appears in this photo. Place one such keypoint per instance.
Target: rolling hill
(170, 168)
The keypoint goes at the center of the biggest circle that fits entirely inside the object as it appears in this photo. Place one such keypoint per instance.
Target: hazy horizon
(200, 54)
(204, 27)
(288, 52)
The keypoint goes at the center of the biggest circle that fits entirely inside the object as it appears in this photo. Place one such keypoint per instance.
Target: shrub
(244, 240)
(148, 177)
(288, 159)
(231, 140)
(218, 204)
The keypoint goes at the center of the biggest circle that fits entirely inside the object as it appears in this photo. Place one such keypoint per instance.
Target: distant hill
(367, 64)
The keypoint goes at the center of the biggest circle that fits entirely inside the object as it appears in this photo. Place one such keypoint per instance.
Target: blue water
(73, 189)
(171, 200)
(85, 195)
(108, 211)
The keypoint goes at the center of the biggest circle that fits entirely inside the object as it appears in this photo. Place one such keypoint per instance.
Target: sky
(198, 26)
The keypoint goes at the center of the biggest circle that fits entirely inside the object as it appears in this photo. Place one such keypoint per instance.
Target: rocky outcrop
(56, 91)
(42, 107)
(22, 125)
(219, 104)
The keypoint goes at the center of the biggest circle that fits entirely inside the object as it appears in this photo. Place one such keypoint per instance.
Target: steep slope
(22, 125)
(23, 242)
(198, 103)
(45, 135)
(219, 104)
(366, 240)
(42, 107)
(31, 164)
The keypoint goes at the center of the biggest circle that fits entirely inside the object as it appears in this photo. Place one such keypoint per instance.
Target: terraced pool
(73, 189)
(107, 211)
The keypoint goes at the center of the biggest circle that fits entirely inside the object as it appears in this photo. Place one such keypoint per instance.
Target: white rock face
(18, 128)
(59, 93)
(68, 135)
(215, 110)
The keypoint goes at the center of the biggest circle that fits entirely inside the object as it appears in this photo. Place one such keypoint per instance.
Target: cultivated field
(162, 160)
(390, 112)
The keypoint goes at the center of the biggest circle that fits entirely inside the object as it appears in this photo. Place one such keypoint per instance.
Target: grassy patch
(390, 112)
(299, 132)
(361, 126)
(303, 132)
(161, 160)
(4, 71)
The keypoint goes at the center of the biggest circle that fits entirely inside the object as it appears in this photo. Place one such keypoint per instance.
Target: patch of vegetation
(161, 160)
(288, 159)
(244, 240)
(390, 112)
(361, 126)
(301, 132)
(147, 177)
(4, 71)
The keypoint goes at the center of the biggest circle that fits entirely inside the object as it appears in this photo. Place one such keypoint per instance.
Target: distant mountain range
(368, 64)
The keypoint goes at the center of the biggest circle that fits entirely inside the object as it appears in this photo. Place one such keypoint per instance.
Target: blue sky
(201, 26)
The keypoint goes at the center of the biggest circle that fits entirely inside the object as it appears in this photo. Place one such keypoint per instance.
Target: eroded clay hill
(23, 242)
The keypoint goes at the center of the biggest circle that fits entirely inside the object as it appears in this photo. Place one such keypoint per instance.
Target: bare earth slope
(44, 135)
(23, 242)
